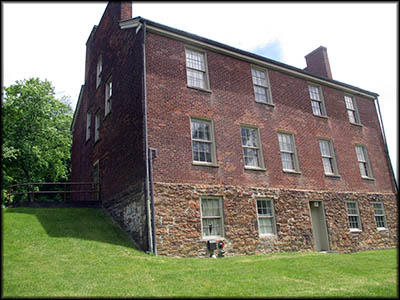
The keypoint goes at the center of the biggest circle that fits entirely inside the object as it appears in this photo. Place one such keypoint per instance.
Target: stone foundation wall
(128, 209)
(178, 220)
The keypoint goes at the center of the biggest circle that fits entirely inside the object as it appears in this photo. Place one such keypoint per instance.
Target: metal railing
(69, 191)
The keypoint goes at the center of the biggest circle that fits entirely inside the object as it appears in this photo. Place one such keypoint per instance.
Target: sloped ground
(79, 252)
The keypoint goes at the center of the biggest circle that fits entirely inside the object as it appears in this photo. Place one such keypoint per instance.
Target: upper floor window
(212, 217)
(288, 152)
(97, 126)
(380, 217)
(251, 147)
(266, 217)
(196, 69)
(88, 124)
(107, 107)
(317, 101)
(328, 157)
(363, 161)
(352, 110)
(353, 215)
(99, 69)
(262, 92)
(203, 145)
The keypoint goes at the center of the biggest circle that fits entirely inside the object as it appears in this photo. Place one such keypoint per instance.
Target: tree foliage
(36, 138)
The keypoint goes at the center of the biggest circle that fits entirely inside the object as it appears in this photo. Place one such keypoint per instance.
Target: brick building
(193, 140)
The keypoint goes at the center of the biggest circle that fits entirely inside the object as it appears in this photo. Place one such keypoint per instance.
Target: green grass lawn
(57, 252)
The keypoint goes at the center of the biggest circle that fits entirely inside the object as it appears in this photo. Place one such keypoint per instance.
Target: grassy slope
(79, 252)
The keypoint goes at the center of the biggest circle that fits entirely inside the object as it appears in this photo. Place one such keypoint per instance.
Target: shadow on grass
(80, 223)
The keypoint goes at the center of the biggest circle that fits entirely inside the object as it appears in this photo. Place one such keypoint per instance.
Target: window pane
(259, 77)
(264, 207)
(200, 130)
(360, 154)
(325, 149)
(353, 220)
(285, 142)
(251, 157)
(266, 225)
(351, 115)
(210, 207)
(363, 169)
(261, 94)
(212, 227)
(316, 107)
(327, 165)
(195, 78)
(202, 151)
(195, 60)
(314, 92)
(287, 161)
(249, 137)
(349, 102)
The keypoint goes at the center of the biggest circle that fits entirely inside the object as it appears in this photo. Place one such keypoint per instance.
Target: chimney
(318, 62)
(125, 11)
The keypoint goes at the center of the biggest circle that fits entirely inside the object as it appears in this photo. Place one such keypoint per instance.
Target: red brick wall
(120, 150)
(231, 103)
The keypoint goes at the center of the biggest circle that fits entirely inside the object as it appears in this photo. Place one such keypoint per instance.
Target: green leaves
(36, 137)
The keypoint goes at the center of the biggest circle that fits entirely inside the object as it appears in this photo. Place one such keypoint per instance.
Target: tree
(36, 138)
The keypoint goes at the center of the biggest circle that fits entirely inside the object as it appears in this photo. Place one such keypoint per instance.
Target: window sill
(320, 116)
(211, 237)
(199, 89)
(255, 168)
(333, 175)
(269, 104)
(291, 172)
(356, 124)
(353, 230)
(196, 163)
(382, 229)
(368, 178)
(266, 236)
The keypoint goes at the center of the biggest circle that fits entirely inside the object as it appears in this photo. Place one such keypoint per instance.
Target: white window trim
(384, 216)
(221, 209)
(108, 98)
(295, 156)
(88, 124)
(359, 229)
(98, 71)
(261, 216)
(206, 76)
(261, 166)
(322, 101)
(97, 121)
(268, 86)
(213, 162)
(367, 162)
(355, 110)
(332, 157)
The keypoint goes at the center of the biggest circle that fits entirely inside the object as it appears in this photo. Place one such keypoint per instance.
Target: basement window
(380, 216)
(212, 217)
(353, 216)
(265, 217)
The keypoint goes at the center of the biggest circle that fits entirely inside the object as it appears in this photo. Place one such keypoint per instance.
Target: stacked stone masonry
(178, 220)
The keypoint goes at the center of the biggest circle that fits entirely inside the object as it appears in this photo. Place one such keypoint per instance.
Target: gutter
(149, 177)
(385, 145)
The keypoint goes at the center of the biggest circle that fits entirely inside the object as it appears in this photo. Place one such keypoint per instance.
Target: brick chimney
(318, 62)
(126, 11)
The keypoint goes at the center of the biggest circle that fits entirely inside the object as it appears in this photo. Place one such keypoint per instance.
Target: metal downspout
(385, 145)
(147, 184)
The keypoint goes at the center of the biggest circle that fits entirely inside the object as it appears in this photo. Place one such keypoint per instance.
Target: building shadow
(80, 223)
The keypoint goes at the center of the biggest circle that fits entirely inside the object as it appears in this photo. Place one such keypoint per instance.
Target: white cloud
(48, 39)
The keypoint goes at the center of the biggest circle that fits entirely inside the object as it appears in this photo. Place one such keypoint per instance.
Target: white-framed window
(353, 216)
(328, 157)
(380, 216)
(363, 161)
(261, 88)
(99, 70)
(88, 124)
(97, 126)
(352, 110)
(196, 69)
(212, 217)
(203, 145)
(251, 145)
(288, 152)
(265, 217)
(317, 101)
(107, 108)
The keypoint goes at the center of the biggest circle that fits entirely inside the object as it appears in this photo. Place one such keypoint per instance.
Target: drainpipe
(385, 145)
(152, 152)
